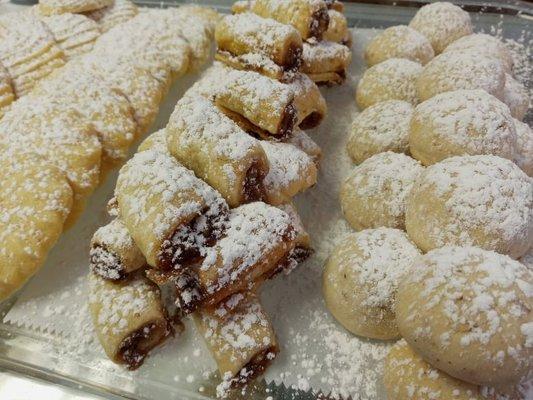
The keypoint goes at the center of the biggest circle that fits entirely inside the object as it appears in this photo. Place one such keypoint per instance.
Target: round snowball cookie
(527, 259)
(361, 278)
(375, 193)
(461, 122)
(524, 148)
(461, 70)
(442, 23)
(516, 97)
(393, 79)
(381, 127)
(482, 201)
(468, 312)
(408, 376)
(399, 42)
(487, 45)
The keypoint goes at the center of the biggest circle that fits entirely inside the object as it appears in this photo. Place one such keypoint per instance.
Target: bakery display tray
(30, 348)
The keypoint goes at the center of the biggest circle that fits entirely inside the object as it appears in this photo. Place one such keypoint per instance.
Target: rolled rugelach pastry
(335, 5)
(260, 105)
(205, 140)
(257, 240)
(291, 171)
(248, 34)
(326, 62)
(338, 28)
(128, 318)
(310, 105)
(302, 140)
(240, 6)
(169, 212)
(240, 337)
(114, 254)
(309, 17)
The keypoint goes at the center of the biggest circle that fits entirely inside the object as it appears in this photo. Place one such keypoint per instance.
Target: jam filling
(255, 367)
(293, 58)
(289, 120)
(312, 120)
(106, 264)
(253, 189)
(319, 23)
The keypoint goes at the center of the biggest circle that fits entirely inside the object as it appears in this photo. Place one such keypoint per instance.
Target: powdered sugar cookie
(468, 312)
(408, 376)
(524, 150)
(393, 79)
(461, 122)
(527, 259)
(361, 278)
(399, 42)
(483, 201)
(6, 90)
(457, 70)
(516, 97)
(381, 127)
(117, 13)
(53, 7)
(208, 15)
(35, 199)
(374, 194)
(442, 23)
(487, 45)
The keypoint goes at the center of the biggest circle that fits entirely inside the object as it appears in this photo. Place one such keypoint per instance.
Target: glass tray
(28, 351)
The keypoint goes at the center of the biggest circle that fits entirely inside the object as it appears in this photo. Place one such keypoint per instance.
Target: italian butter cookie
(399, 42)
(442, 23)
(408, 376)
(393, 79)
(483, 201)
(468, 312)
(117, 13)
(6, 90)
(524, 151)
(485, 44)
(35, 200)
(461, 122)
(52, 7)
(516, 97)
(381, 127)
(457, 70)
(374, 195)
(361, 278)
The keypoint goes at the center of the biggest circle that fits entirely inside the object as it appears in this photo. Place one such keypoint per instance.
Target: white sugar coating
(325, 56)
(461, 122)
(51, 7)
(304, 142)
(485, 44)
(484, 200)
(527, 259)
(467, 311)
(399, 42)
(516, 96)
(381, 127)
(442, 23)
(253, 230)
(119, 12)
(461, 69)
(375, 193)
(116, 233)
(393, 79)
(524, 148)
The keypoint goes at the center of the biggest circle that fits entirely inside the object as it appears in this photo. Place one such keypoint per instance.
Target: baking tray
(35, 352)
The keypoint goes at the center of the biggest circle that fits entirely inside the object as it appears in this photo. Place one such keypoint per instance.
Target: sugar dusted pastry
(240, 337)
(442, 23)
(118, 12)
(75, 34)
(291, 171)
(393, 79)
(302, 140)
(361, 279)
(128, 317)
(114, 254)
(169, 212)
(407, 375)
(467, 312)
(461, 122)
(302, 249)
(381, 127)
(59, 134)
(338, 28)
(483, 201)
(524, 149)
(52, 7)
(310, 17)
(35, 200)
(208, 142)
(375, 193)
(258, 240)
(208, 15)
(310, 105)
(516, 96)
(326, 62)
(457, 70)
(335, 5)
(399, 41)
(27, 50)
(247, 37)
(6, 90)
(156, 141)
